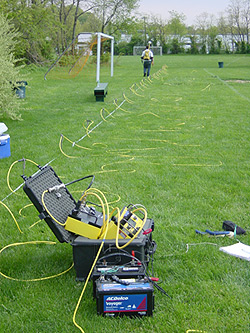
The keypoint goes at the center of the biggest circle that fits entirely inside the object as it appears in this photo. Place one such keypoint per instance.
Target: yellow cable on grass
(73, 144)
(150, 113)
(144, 83)
(10, 168)
(118, 106)
(207, 87)
(32, 225)
(149, 80)
(142, 86)
(126, 99)
(60, 147)
(11, 216)
(101, 113)
(87, 128)
(32, 280)
(134, 92)
(95, 260)
(118, 162)
(20, 210)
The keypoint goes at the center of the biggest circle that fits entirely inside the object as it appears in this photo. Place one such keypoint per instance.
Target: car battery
(130, 297)
(134, 271)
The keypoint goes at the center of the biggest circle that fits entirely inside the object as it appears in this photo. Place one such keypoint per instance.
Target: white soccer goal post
(98, 61)
(137, 50)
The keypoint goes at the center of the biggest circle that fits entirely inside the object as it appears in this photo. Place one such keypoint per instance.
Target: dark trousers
(146, 67)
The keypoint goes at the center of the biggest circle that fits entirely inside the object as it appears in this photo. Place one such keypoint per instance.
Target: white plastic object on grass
(3, 128)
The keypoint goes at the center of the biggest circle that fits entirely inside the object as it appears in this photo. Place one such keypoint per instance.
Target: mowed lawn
(178, 144)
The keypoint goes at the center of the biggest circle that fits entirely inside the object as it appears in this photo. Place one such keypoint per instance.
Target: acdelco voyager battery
(133, 298)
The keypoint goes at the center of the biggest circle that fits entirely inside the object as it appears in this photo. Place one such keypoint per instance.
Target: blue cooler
(4, 145)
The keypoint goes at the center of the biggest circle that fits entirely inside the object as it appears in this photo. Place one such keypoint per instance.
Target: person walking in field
(148, 60)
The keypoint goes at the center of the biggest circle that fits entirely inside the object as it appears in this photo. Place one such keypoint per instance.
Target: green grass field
(179, 145)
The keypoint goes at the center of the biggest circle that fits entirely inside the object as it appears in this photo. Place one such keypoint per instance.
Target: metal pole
(112, 57)
(98, 58)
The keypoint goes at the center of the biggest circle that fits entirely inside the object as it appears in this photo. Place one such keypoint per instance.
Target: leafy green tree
(176, 24)
(9, 74)
(35, 22)
(113, 11)
(176, 29)
(175, 47)
(156, 30)
(239, 17)
(194, 45)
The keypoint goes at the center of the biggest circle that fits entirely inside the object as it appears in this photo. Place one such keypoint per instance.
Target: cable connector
(154, 279)
(56, 188)
(147, 231)
(117, 280)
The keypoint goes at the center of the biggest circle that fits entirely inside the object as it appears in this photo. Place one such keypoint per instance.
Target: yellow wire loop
(148, 78)
(87, 128)
(11, 216)
(73, 144)
(101, 113)
(207, 87)
(10, 168)
(21, 209)
(136, 234)
(144, 83)
(155, 115)
(134, 92)
(118, 106)
(141, 85)
(32, 280)
(127, 100)
(92, 192)
(60, 147)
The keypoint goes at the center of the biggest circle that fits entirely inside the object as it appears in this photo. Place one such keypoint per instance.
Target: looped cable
(101, 113)
(11, 216)
(118, 106)
(73, 145)
(136, 234)
(134, 92)
(32, 280)
(89, 123)
(10, 168)
(60, 147)
(127, 100)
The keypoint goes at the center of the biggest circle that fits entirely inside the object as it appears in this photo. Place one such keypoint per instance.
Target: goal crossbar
(157, 50)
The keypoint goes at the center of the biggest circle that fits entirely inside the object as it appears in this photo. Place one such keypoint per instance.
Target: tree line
(47, 27)
(228, 33)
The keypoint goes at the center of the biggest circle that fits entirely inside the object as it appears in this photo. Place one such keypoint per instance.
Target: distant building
(125, 38)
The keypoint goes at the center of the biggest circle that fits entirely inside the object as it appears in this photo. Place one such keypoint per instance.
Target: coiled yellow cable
(10, 168)
(101, 113)
(32, 280)
(97, 255)
(118, 106)
(87, 128)
(136, 234)
(11, 216)
(127, 100)
(73, 144)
